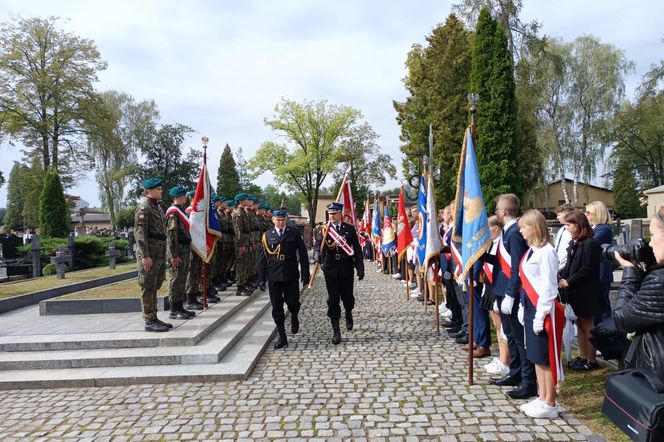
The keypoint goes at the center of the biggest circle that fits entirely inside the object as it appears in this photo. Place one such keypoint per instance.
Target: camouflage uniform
(150, 234)
(242, 231)
(178, 245)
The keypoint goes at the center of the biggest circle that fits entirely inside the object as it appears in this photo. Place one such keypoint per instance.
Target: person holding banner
(543, 315)
(277, 264)
(511, 249)
(178, 248)
(339, 253)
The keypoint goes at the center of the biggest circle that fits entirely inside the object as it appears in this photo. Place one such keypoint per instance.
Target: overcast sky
(221, 66)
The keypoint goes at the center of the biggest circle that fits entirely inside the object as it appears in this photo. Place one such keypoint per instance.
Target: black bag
(634, 402)
(610, 341)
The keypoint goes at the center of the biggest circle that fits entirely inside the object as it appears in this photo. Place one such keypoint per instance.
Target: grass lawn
(124, 289)
(47, 282)
(582, 394)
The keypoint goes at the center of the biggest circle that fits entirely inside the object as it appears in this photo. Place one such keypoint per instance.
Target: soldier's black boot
(185, 313)
(349, 319)
(241, 291)
(188, 312)
(192, 302)
(295, 324)
(156, 325)
(165, 324)
(282, 341)
(336, 332)
(176, 313)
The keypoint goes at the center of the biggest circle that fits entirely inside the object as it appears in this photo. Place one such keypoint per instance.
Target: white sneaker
(499, 368)
(491, 364)
(542, 410)
(528, 405)
(396, 276)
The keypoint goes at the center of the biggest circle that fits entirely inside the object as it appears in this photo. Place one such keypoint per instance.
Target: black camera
(634, 251)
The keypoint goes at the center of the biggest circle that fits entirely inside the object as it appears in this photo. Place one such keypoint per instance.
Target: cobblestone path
(391, 378)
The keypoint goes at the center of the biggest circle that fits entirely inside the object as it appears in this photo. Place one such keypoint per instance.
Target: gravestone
(71, 240)
(60, 260)
(36, 257)
(113, 254)
(636, 229)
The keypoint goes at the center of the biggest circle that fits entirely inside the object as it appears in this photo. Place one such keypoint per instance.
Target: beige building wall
(655, 201)
(323, 201)
(556, 196)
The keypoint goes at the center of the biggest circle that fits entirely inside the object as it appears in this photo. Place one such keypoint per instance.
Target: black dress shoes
(156, 326)
(506, 381)
(462, 339)
(349, 320)
(281, 343)
(523, 391)
(295, 324)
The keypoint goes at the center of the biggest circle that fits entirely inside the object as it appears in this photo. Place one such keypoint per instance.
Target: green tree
(361, 157)
(228, 180)
(625, 191)
(597, 88)
(165, 158)
(274, 197)
(246, 174)
(492, 78)
(54, 218)
(46, 79)
(120, 125)
(125, 217)
(2, 179)
(437, 84)
(15, 197)
(32, 183)
(312, 132)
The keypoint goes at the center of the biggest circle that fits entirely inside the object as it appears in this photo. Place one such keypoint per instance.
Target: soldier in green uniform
(150, 234)
(242, 245)
(194, 273)
(230, 240)
(178, 247)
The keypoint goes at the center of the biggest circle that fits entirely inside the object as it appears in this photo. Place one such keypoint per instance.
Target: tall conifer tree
(228, 180)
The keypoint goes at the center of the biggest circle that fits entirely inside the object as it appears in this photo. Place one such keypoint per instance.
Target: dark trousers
(452, 301)
(339, 289)
(280, 292)
(520, 366)
(481, 331)
(462, 298)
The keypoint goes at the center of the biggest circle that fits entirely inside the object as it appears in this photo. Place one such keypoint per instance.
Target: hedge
(89, 251)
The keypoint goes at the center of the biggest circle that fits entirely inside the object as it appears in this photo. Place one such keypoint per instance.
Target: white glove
(519, 314)
(538, 326)
(507, 305)
(495, 307)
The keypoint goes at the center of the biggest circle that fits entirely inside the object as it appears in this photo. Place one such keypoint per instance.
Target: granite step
(208, 351)
(236, 364)
(184, 333)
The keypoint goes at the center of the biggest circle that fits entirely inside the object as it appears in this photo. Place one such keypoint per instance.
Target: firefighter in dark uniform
(277, 264)
(338, 265)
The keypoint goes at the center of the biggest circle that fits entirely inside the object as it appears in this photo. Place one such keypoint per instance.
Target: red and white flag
(203, 223)
(345, 197)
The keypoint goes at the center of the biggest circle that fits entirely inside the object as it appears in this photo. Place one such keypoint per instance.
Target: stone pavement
(391, 378)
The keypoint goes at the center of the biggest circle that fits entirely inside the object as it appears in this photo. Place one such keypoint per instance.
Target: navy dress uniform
(339, 265)
(281, 249)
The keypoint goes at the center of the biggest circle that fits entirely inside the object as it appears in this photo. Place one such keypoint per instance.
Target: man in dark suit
(339, 253)
(507, 288)
(277, 263)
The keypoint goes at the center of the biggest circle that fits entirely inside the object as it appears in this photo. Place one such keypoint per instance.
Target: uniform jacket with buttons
(278, 256)
(334, 261)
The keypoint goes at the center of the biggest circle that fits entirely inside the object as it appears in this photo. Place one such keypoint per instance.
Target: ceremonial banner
(422, 221)
(471, 224)
(434, 244)
(389, 239)
(204, 225)
(404, 235)
(345, 197)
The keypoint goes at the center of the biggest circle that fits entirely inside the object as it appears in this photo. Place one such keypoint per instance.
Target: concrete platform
(222, 343)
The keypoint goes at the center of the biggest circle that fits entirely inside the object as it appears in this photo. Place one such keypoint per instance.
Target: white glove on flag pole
(204, 225)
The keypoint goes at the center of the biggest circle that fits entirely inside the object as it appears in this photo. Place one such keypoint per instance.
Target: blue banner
(422, 221)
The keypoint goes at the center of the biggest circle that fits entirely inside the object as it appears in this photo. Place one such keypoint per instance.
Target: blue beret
(263, 206)
(335, 207)
(279, 214)
(230, 203)
(216, 198)
(151, 183)
(223, 198)
(191, 193)
(240, 196)
(177, 191)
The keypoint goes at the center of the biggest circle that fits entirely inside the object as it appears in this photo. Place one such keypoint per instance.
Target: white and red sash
(488, 268)
(445, 243)
(340, 240)
(457, 259)
(180, 214)
(504, 258)
(553, 324)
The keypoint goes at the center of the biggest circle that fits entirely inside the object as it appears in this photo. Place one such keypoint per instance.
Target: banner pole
(436, 305)
(205, 284)
(405, 260)
(471, 299)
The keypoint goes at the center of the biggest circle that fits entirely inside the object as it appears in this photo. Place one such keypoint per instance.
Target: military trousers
(284, 291)
(194, 274)
(150, 283)
(242, 269)
(339, 289)
(178, 279)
